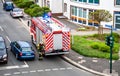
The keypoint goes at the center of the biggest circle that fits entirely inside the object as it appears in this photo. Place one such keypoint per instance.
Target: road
(12, 29)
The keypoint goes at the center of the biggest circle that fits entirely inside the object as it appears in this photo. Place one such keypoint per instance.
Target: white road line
(26, 27)
(1, 28)
(16, 73)
(55, 69)
(69, 68)
(33, 71)
(40, 70)
(7, 74)
(13, 67)
(47, 69)
(24, 72)
(62, 68)
(26, 63)
(8, 38)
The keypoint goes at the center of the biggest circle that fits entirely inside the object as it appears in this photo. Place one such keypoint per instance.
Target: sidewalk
(97, 66)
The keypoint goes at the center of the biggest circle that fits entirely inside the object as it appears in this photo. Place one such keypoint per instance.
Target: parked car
(16, 12)
(22, 50)
(3, 51)
(8, 6)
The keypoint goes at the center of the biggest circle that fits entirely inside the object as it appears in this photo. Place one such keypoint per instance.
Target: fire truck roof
(53, 24)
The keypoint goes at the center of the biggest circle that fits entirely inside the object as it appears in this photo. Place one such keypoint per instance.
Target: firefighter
(40, 49)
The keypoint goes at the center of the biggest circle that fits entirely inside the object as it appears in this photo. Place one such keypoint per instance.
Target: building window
(117, 19)
(80, 12)
(84, 13)
(74, 11)
(94, 1)
(65, 7)
(117, 2)
(80, 0)
(73, 0)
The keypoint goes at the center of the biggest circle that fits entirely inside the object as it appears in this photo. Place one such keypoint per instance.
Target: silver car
(17, 12)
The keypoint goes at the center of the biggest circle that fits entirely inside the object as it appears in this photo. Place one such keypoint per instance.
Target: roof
(23, 44)
(50, 24)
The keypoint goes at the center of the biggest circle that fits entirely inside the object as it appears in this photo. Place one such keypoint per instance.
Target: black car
(3, 51)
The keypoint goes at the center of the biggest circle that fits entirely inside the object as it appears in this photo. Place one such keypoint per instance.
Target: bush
(21, 5)
(28, 4)
(34, 5)
(104, 48)
(95, 45)
(36, 11)
(28, 10)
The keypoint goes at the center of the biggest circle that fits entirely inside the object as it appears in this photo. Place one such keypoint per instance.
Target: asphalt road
(12, 29)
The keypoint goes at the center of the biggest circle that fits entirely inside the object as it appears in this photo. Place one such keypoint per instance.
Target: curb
(82, 67)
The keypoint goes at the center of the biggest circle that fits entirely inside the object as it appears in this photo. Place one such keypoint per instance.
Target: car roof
(23, 44)
(9, 2)
(1, 38)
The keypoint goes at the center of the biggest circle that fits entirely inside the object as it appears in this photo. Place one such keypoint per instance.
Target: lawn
(82, 45)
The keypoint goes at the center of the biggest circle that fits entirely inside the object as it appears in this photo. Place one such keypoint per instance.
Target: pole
(111, 54)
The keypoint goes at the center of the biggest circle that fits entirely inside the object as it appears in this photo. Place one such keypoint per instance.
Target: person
(40, 48)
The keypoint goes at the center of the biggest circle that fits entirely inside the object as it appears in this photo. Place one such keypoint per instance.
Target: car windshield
(26, 49)
(2, 45)
(9, 4)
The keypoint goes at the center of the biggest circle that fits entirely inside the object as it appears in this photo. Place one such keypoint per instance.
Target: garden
(91, 46)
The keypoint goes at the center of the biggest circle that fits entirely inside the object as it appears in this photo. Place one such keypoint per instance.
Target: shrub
(95, 45)
(28, 10)
(28, 4)
(104, 48)
(34, 5)
(21, 5)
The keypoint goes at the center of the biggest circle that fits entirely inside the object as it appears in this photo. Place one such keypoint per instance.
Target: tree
(100, 15)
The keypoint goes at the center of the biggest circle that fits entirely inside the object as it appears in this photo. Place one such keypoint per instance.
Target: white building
(78, 10)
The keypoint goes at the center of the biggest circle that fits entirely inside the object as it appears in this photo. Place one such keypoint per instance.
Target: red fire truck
(50, 32)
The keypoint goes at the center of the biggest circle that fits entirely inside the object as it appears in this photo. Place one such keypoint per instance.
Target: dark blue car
(8, 6)
(22, 50)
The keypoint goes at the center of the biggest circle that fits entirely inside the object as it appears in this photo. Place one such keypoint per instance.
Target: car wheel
(16, 56)
(6, 62)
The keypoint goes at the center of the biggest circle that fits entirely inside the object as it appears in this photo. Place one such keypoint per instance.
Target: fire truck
(50, 32)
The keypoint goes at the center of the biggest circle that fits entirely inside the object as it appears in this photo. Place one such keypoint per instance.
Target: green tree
(100, 15)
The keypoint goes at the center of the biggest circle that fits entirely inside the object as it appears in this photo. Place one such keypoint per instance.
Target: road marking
(1, 28)
(40, 70)
(7, 74)
(62, 68)
(47, 69)
(69, 68)
(95, 61)
(26, 27)
(54, 69)
(8, 38)
(16, 73)
(33, 71)
(13, 67)
(24, 72)
(26, 63)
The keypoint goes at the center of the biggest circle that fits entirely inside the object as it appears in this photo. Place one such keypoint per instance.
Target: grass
(82, 46)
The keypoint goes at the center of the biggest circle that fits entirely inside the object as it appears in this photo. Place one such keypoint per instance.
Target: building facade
(78, 10)
(56, 6)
